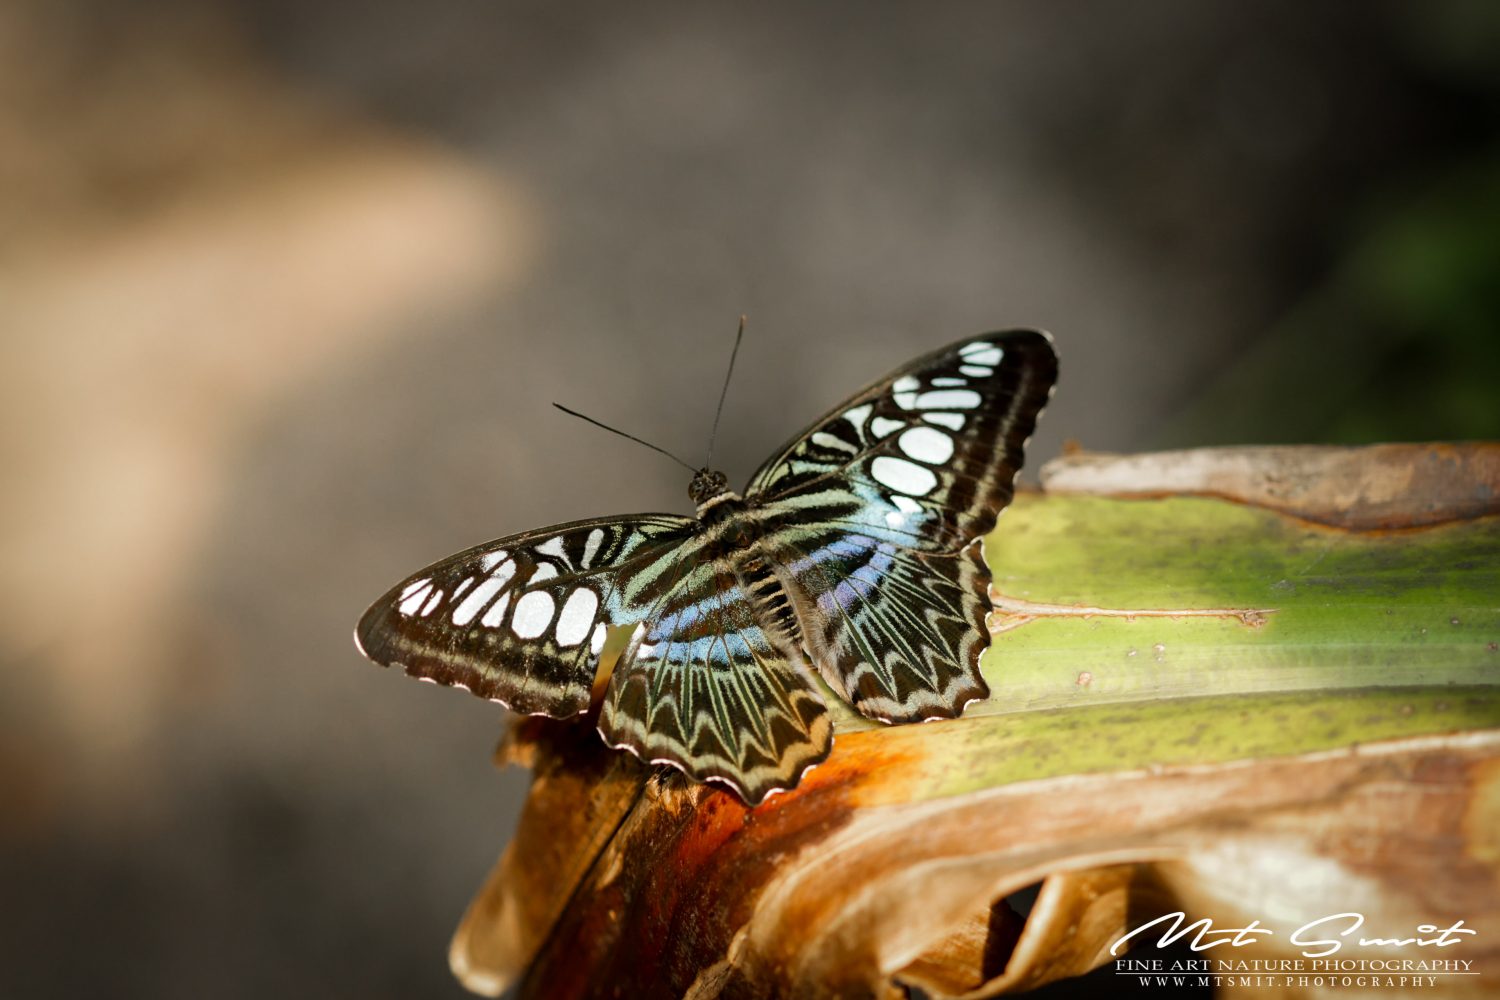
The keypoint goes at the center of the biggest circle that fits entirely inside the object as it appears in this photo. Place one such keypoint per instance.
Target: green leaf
(1198, 702)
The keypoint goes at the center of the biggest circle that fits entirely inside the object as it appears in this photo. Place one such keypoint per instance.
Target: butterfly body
(853, 553)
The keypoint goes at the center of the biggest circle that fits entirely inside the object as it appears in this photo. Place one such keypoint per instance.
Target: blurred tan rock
(185, 239)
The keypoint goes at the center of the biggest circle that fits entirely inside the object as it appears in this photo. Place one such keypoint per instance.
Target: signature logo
(1315, 939)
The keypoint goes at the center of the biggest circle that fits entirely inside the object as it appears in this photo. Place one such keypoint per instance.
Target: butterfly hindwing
(521, 620)
(874, 512)
(714, 683)
(896, 631)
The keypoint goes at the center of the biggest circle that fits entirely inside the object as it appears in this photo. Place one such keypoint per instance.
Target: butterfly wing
(522, 620)
(714, 683)
(708, 682)
(871, 516)
(898, 633)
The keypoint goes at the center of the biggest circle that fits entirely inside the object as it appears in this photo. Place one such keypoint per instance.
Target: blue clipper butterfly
(853, 552)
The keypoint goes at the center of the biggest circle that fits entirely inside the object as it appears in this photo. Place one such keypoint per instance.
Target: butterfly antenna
(615, 430)
(714, 434)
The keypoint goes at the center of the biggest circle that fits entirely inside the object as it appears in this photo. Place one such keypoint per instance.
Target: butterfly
(853, 553)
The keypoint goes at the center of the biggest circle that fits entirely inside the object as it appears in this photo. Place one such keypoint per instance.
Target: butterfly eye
(707, 484)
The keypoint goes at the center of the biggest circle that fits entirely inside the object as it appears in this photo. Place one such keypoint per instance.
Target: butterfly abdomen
(772, 605)
(733, 530)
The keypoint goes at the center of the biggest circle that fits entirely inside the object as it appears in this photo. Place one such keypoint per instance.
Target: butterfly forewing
(871, 516)
(928, 455)
(521, 620)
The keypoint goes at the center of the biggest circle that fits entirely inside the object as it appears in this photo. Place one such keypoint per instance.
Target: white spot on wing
(950, 381)
(533, 614)
(597, 642)
(437, 595)
(576, 617)
(978, 371)
(904, 391)
(881, 426)
(505, 572)
(927, 445)
(407, 591)
(823, 439)
(544, 571)
(477, 599)
(906, 504)
(903, 476)
(415, 598)
(459, 590)
(952, 420)
(551, 547)
(858, 415)
(491, 559)
(495, 616)
(981, 354)
(591, 546)
(948, 399)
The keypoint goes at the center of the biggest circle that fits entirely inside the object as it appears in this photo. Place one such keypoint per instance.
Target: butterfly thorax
(721, 511)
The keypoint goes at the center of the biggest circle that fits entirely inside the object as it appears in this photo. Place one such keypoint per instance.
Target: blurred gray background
(286, 290)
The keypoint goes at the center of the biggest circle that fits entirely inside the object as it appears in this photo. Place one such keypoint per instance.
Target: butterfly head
(707, 485)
